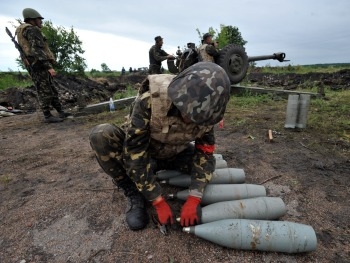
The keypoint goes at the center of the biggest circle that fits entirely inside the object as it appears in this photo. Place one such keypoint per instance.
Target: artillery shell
(277, 236)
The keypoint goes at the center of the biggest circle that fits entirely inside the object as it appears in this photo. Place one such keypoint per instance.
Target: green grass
(329, 117)
(247, 100)
(129, 92)
(5, 180)
(242, 110)
(117, 117)
(332, 116)
(11, 80)
(101, 74)
(328, 124)
(303, 69)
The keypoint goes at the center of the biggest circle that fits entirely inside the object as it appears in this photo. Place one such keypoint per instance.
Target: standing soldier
(157, 55)
(208, 50)
(172, 112)
(39, 60)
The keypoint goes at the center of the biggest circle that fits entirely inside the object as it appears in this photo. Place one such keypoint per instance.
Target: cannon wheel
(234, 60)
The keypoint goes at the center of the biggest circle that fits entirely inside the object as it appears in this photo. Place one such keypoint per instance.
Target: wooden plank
(104, 106)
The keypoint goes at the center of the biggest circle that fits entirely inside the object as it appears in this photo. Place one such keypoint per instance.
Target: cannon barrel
(233, 59)
(280, 56)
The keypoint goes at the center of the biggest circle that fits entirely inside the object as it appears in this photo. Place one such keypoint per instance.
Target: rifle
(19, 48)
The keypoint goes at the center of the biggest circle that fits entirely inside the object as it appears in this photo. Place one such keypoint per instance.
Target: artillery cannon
(233, 59)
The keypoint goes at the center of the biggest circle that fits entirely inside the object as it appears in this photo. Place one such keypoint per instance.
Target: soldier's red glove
(190, 211)
(165, 216)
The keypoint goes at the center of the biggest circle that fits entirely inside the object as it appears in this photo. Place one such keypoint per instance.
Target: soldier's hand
(191, 211)
(165, 215)
(52, 72)
(170, 57)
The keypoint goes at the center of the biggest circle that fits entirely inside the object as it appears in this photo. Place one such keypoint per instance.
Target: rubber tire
(234, 60)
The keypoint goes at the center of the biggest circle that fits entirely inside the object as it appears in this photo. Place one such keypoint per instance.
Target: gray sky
(120, 33)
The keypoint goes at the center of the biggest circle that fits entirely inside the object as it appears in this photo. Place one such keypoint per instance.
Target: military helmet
(29, 13)
(201, 93)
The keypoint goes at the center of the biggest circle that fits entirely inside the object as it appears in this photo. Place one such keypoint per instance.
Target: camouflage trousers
(46, 90)
(154, 69)
(107, 141)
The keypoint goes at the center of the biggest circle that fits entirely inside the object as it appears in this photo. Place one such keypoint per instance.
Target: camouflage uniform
(40, 58)
(208, 53)
(156, 56)
(200, 94)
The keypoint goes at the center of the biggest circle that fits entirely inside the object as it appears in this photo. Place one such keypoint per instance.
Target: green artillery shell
(214, 193)
(277, 236)
(264, 208)
(220, 176)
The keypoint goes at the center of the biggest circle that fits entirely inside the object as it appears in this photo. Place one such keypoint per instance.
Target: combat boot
(136, 213)
(63, 115)
(49, 118)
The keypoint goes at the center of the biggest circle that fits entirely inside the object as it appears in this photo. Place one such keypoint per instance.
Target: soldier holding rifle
(38, 59)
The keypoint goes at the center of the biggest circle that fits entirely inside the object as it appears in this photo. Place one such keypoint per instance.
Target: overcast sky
(120, 33)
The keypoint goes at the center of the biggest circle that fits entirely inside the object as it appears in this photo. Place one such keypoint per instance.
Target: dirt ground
(57, 205)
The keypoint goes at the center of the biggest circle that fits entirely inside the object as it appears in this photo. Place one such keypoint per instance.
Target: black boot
(63, 115)
(48, 118)
(136, 213)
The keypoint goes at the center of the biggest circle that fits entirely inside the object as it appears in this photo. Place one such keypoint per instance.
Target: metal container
(292, 111)
(304, 103)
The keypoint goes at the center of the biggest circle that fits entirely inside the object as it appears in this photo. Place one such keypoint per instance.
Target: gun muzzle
(280, 56)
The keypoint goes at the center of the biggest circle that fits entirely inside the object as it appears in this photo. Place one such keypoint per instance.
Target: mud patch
(71, 240)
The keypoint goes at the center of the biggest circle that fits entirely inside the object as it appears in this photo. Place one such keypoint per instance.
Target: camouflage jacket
(170, 135)
(208, 53)
(141, 151)
(157, 55)
(34, 45)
